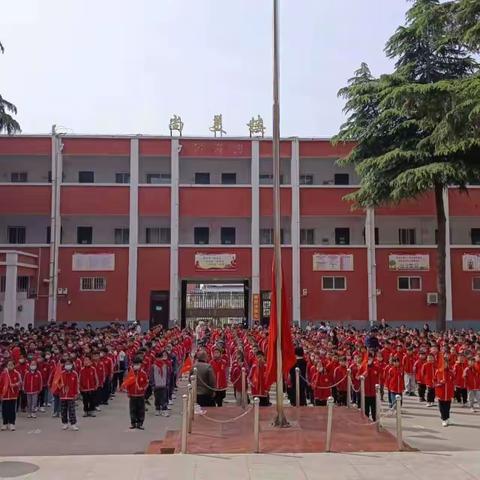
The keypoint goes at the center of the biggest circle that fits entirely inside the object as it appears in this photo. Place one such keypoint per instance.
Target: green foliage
(7, 122)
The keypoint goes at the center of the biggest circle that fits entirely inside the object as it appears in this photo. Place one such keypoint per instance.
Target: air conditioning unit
(432, 298)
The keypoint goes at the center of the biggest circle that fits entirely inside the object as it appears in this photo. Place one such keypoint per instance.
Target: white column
(174, 225)
(10, 304)
(295, 178)
(133, 232)
(448, 259)
(55, 224)
(255, 181)
(371, 265)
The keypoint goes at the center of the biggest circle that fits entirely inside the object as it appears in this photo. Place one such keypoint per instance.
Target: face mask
(47, 357)
(33, 368)
(136, 367)
(68, 367)
(11, 367)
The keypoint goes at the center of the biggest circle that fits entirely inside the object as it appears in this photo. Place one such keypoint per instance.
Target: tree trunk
(441, 258)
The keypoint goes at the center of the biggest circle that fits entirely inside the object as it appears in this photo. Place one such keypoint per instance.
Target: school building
(170, 229)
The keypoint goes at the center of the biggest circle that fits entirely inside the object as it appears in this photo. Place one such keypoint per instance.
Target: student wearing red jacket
(396, 382)
(444, 389)
(236, 376)
(22, 367)
(257, 380)
(88, 386)
(219, 366)
(136, 384)
(417, 370)
(321, 385)
(472, 383)
(100, 369)
(428, 376)
(10, 383)
(407, 364)
(372, 378)
(44, 368)
(340, 380)
(68, 386)
(32, 386)
(459, 367)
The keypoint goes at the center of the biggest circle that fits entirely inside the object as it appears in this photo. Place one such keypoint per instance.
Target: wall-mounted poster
(332, 263)
(216, 261)
(93, 262)
(471, 262)
(409, 262)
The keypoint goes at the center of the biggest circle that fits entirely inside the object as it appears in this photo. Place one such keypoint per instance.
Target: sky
(125, 67)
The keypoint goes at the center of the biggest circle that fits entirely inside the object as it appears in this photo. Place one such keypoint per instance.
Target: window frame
(409, 289)
(78, 234)
(84, 172)
(475, 232)
(124, 232)
(203, 229)
(198, 176)
(16, 228)
(122, 176)
(304, 177)
(224, 230)
(225, 175)
(307, 231)
(473, 284)
(19, 177)
(337, 176)
(95, 284)
(163, 178)
(345, 230)
(409, 232)
(334, 279)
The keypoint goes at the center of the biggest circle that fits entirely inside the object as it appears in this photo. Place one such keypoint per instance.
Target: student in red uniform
(340, 380)
(459, 367)
(69, 391)
(236, 375)
(396, 383)
(321, 385)
(10, 383)
(100, 369)
(22, 368)
(257, 380)
(444, 389)
(88, 386)
(372, 378)
(417, 370)
(32, 386)
(219, 366)
(472, 383)
(136, 385)
(407, 364)
(428, 376)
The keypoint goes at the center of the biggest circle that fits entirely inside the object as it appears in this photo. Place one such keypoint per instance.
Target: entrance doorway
(159, 309)
(266, 304)
(217, 303)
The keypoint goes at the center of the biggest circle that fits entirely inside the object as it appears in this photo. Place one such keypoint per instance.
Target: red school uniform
(428, 374)
(321, 385)
(139, 383)
(10, 382)
(68, 388)
(417, 369)
(257, 380)
(340, 378)
(444, 388)
(88, 379)
(472, 378)
(220, 370)
(458, 370)
(32, 382)
(396, 382)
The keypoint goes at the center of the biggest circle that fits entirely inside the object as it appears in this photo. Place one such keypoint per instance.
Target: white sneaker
(170, 402)
(4, 427)
(448, 421)
(49, 404)
(11, 427)
(64, 426)
(169, 407)
(444, 423)
(29, 415)
(174, 396)
(34, 415)
(74, 428)
(98, 409)
(165, 413)
(42, 409)
(430, 404)
(157, 413)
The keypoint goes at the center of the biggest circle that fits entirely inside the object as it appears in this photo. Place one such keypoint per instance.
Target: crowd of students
(442, 366)
(56, 365)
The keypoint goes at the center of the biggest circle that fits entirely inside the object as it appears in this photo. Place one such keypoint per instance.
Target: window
(476, 283)
(342, 236)
(49, 234)
(19, 177)
(86, 177)
(266, 236)
(49, 176)
(16, 234)
(157, 235)
(159, 178)
(202, 178)
(377, 236)
(334, 283)
(93, 284)
(3, 281)
(307, 236)
(201, 235)
(475, 236)
(341, 179)
(84, 235)
(122, 177)
(267, 179)
(306, 179)
(122, 236)
(229, 178)
(409, 283)
(406, 236)
(227, 235)
(23, 283)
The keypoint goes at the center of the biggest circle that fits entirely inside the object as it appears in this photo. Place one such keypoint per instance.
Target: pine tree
(394, 119)
(7, 122)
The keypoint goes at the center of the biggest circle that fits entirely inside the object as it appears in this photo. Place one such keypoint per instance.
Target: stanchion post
(378, 407)
(189, 408)
(297, 387)
(244, 388)
(362, 395)
(398, 400)
(256, 425)
(184, 423)
(194, 397)
(349, 388)
(328, 443)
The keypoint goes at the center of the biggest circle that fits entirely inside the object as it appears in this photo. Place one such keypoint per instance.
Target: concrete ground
(317, 466)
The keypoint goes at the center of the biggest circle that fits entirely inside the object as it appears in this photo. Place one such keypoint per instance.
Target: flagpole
(280, 420)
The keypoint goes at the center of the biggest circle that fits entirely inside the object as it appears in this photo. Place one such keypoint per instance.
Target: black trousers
(97, 396)
(137, 411)
(206, 400)
(9, 412)
(430, 394)
(461, 395)
(370, 408)
(264, 401)
(43, 397)
(421, 391)
(22, 401)
(341, 397)
(106, 390)
(88, 401)
(320, 403)
(444, 407)
(219, 396)
(161, 398)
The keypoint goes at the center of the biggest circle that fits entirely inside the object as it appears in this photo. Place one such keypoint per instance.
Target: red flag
(129, 380)
(187, 366)
(288, 350)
